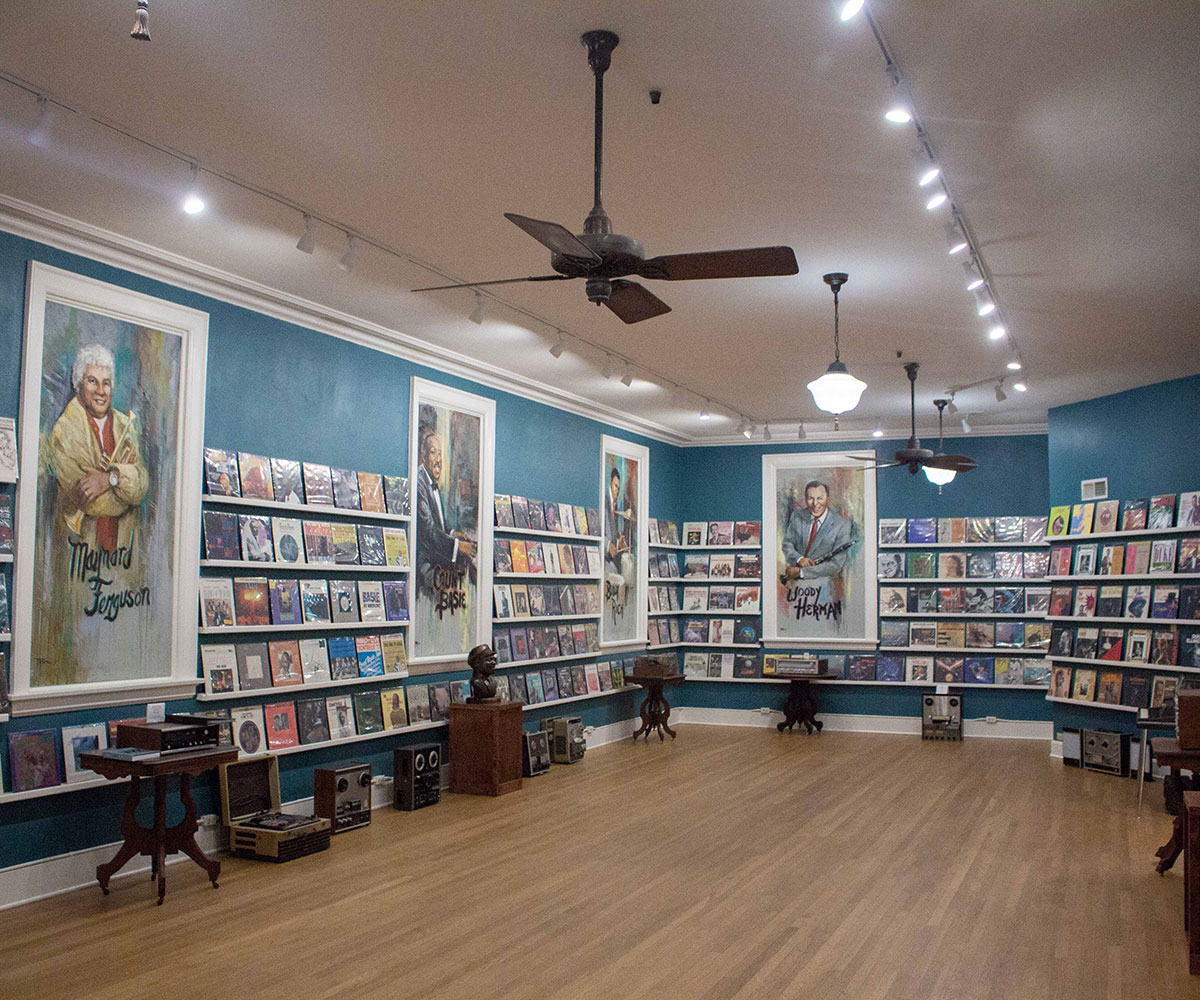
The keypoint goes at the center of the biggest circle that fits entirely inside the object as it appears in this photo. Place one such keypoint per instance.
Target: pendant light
(837, 391)
(940, 477)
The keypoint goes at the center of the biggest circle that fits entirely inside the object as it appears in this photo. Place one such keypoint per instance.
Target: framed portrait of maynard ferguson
(108, 507)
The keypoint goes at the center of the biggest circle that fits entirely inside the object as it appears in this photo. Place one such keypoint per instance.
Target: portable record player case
(257, 828)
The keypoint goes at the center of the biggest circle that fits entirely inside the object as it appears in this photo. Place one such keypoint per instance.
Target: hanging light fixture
(141, 22)
(940, 477)
(837, 391)
(308, 239)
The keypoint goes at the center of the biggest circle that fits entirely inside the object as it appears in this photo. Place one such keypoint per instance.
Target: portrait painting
(819, 558)
(624, 542)
(453, 445)
(112, 430)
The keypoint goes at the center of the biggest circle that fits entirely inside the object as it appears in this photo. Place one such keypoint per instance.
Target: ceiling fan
(916, 457)
(605, 259)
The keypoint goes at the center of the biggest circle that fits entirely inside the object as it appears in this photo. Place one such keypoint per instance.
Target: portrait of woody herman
(817, 540)
(94, 457)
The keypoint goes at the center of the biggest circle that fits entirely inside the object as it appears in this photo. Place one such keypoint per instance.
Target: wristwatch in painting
(114, 479)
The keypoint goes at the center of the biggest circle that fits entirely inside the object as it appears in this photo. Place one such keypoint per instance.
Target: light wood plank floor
(731, 863)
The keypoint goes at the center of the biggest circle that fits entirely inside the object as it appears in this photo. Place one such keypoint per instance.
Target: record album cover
(318, 484)
(257, 543)
(288, 539)
(251, 604)
(254, 473)
(395, 495)
(286, 482)
(345, 489)
(220, 535)
(370, 492)
(312, 721)
(221, 473)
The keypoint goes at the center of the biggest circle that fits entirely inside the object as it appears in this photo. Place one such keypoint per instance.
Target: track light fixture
(950, 407)
(997, 332)
(476, 316)
(704, 414)
(877, 432)
(560, 345)
(308, 240)
(974, 277)
(983, 302)
(1001, 395)
(193, 204)
(937, 201)
(609, 370)
(965, 426)
(1020, 386)
(1014, 365)
(801, 433)
(39, 135)
(766, 432)
(141, 22)
(750, 429)
(956, 242)
(350, 258)
(899, 110)
(627, 378)
(848, 8)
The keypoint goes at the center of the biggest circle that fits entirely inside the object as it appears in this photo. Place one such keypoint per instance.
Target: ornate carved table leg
(182, 836)
(130, 831)
(645, 714)
(1173, 793)
(666, 714)
(159, 862)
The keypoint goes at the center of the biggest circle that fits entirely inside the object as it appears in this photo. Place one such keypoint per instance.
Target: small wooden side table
(160, 840)
(485, 748)
(801, 705)
(1167, 752)
(655, 710)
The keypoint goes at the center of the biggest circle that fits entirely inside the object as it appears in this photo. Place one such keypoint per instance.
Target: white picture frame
(834, 610)
(432, 647)
(100, 670)
(82, 739)
(624, 607)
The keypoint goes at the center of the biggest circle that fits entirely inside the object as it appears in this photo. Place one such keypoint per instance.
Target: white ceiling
(1067, 131)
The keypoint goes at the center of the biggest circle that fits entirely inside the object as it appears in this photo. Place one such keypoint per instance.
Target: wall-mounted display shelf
(6, 557)
(1145, 622)
(1018, 581)
(1158, 668)
(74, 786)
(978, 650)
(744, 547)
(309, 627)
(5, 637)
(958, 614)
(320, 509)
(550, 659)
(1093, 704)
(284, 689)
(579, 697)
(1118, 577)
(304, 567)
(545, 576)
(705, 645)
(518, 620)
(964, 545)
(563, 536)
(845, 682)
(1132, 533)
(735, 580)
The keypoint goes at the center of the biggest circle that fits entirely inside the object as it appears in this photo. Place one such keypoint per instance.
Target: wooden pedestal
(485, 748)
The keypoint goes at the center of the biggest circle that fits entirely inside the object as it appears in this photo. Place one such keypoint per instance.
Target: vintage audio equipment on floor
(417, 771)
(535, 753)
(250, 808)
(569, 743)
(342, 794)
(1106, 752)
(174, 734)
(941, 717)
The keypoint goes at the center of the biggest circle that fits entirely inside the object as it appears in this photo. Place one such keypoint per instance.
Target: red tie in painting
(811, 535)
(106, 527)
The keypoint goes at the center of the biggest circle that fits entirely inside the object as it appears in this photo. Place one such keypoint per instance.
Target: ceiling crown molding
(42, 225)
(785, 435)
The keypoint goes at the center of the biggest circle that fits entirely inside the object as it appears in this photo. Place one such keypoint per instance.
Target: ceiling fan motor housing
(619, 255)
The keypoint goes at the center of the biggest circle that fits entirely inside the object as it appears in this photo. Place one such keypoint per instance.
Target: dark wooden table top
(185, 762)
(644, 679)
(1167, 751)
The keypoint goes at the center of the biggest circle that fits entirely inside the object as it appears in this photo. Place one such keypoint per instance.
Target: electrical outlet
(764, 711)
(588, 730)
(208, 821)
(991, 720)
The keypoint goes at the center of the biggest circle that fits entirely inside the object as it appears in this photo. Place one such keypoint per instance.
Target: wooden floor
(731, 863)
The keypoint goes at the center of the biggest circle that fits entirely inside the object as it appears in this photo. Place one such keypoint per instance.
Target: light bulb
(850, 8)
(898, 114)
(1020, 386)
(997, 331)
(937, 201)
(1014, 365)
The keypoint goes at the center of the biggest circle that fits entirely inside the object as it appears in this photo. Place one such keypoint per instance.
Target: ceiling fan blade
(955, 463)
(502, 281)
(751, 263)
(633, 302)
(558, 239)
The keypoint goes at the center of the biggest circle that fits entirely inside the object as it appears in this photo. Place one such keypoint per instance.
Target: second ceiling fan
(605, 260)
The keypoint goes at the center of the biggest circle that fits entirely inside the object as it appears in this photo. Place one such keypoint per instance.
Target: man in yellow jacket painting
(95, 457)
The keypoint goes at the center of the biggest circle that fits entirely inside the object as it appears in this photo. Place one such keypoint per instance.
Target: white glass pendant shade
(837, 391)
(939, 477)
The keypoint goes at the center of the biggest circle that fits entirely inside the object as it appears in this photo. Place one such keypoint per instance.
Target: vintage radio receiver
(342, 794)
(569, 743)
(535, 753)
(417, 771)
(1106, 752)
(804, 665)
(177, 732)
(250, 808)
(941, 717)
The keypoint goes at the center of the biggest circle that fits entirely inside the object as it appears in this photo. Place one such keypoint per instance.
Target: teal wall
(279, 389)
(727, 484)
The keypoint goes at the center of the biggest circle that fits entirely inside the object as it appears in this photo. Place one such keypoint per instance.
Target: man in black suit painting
(437, 548)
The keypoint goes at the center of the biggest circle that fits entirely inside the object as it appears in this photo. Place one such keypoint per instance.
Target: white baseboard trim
(614, 732)
(905, 725)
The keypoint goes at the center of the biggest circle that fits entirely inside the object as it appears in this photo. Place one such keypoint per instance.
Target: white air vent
(1094, 489)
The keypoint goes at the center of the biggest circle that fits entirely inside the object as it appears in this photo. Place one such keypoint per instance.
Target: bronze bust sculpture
(482, 661)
